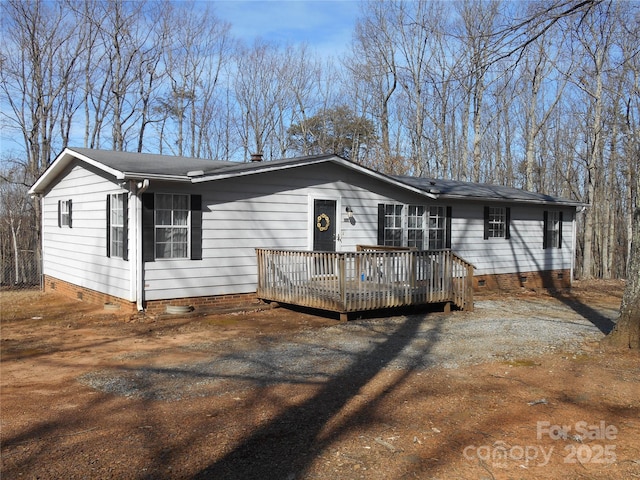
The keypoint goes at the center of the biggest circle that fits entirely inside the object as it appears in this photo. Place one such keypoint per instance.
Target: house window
(64, 213)
(171, 226)
(437, 223)
(412, 225)
(392, 225)
(117, 225)
(415, 227)
(552, 229)
(497, 222)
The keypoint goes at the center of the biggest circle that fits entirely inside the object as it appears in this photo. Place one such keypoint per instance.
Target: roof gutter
(515, 200)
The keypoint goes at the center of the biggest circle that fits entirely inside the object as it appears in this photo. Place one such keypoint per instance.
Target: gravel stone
(508, 329)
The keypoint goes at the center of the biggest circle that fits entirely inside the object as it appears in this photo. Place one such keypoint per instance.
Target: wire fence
(20, 270)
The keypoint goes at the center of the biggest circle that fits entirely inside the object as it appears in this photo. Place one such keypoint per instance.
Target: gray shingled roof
(140, 165)
(150, 164)
(469, 190)
(169, 165)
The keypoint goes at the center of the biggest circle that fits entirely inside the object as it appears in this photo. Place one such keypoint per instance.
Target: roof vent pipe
(256, 157)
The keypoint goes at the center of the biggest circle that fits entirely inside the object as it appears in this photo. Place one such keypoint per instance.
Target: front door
(324, 226)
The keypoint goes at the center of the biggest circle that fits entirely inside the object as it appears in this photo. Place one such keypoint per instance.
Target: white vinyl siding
(77, 255)
(522, 252)
(274, 210)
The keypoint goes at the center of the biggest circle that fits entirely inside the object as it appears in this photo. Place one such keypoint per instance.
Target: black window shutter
(125, 226)
(560, 230)
(545, 230)
(70, 216)
(486, 223)
(196, 227)
(108, 225)
(447, 241)
(59, 213)
(507, 223)
(381, 224)
(148, 228)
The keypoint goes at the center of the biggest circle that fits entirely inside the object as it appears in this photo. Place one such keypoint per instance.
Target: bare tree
(373, 62)
(539, 63)
(38, 68)
(198, 47)
(595, 35)
(37, 81)
(257, 91)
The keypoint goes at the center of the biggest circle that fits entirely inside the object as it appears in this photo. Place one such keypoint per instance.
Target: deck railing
(371, 278)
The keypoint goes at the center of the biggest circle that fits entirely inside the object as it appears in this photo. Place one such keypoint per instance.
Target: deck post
(469, 280)
(342, 278)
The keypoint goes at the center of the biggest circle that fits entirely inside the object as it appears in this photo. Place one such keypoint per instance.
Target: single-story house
(145, 231)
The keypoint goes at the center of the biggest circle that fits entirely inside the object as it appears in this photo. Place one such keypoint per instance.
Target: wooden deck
(369, 279)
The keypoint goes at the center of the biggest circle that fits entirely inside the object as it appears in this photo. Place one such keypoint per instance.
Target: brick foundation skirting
(547, 280)
(217, 302)
(52, 284)
(152, 307)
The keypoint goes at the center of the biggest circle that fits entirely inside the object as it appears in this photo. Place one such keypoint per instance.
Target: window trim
(405, 224)
(125, 225)
(172, 227)
(487, 223)
(194, 227)
(547, 230)
(65, 212)
(446, 229)
(401, 228)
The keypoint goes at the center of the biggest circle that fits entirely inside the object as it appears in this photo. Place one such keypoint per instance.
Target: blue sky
(325, 25)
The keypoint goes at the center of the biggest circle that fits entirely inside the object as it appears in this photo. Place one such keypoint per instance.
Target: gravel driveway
(497, 330)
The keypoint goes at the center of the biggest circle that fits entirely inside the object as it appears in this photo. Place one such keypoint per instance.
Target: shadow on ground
(601, 322)
(286, 446)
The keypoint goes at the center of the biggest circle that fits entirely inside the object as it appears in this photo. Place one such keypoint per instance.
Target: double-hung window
(437, 223)
(497, 222)
(172, 226)
(117, 225)
(415, 226)
(552, 229)
(64, 213)
(392, 233)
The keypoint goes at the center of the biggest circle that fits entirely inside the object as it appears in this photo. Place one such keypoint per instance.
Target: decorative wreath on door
(323, 222)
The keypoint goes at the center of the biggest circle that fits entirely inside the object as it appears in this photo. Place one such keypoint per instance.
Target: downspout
(141, 187)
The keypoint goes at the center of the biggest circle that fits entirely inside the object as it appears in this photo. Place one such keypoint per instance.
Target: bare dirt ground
(518, 389)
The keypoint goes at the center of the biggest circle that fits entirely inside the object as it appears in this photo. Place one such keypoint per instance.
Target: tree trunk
(626, 333)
